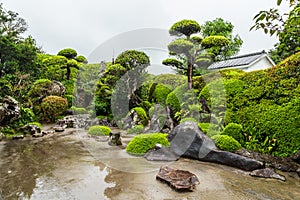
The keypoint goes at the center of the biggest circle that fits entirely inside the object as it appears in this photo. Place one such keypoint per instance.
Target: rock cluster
(9, 110)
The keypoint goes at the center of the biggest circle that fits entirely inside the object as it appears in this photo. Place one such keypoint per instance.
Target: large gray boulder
(187, 140)
(9, 110)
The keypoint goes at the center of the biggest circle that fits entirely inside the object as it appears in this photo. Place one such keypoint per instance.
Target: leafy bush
(146, 105)
(140, 144)
(234, 130)
(137, 129)
(226, 143)
(142, 115)
(173, 103)
(53, 107)
(160, 94)
(99, 130)
(81, 59)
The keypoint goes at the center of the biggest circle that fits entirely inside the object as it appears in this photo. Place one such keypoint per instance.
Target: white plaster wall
(262, 63)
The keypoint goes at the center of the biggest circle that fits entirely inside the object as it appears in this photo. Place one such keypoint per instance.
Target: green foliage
(53, 107)
(160, 94)
(27, 116)
(226, 143)
(173, 103)
(68, 53)
(234, 130)
(70, 86)
(188, 119)
(81, 59)
(132, 58)
(185, 27)
(36, 124)
(99, 130)
(137, 129)
(172, 63)
(223, 28)
(78, 111)
(140, 144)
(181, 46)
(170, 80)
(142, 115)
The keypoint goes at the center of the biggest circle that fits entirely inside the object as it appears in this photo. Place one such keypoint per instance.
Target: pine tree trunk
(190, 75)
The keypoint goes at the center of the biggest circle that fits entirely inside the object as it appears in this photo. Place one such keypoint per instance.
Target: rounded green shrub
(226, 143)
(142, 115)
(160, 94)
(173, 102)
(99, 130)
(81, 59)
(137, 129)
(140, 144)
(170, 80)
(234, 130)
(53, 107)
(68, 53)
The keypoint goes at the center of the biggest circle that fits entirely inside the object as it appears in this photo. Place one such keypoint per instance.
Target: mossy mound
(140, 144)
(226, 143)
(99, 130)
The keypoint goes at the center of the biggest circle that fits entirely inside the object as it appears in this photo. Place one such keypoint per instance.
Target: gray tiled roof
(237, 61)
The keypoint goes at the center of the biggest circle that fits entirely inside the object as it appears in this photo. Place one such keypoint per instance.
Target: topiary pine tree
(189, 49)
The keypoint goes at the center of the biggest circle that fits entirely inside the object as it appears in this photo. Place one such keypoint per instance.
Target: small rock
(58, 129)
(267, 173)
(179, 180)
(30, 129)
(17, 137)
(296, 157)
(36, 135)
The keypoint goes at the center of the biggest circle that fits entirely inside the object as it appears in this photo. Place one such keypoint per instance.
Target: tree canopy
(224, 28)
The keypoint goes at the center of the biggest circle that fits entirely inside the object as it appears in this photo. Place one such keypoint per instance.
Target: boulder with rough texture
(30, 129)
(296, 157)
(188, 140)
(179, 180)
(267, 173)
(156, 125)
(9, 110)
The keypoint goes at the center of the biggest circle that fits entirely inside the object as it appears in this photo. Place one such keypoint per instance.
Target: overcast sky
(86, 24)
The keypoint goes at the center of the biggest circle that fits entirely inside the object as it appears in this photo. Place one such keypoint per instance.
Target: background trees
(223, 28)
(188, 49)
(16, 53)
(286, 28)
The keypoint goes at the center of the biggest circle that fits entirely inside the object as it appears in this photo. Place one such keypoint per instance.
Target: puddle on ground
(71, 166)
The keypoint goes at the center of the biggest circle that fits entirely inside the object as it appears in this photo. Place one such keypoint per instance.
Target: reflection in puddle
(66, 166)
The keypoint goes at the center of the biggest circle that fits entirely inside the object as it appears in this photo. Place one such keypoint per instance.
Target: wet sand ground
(71, 165)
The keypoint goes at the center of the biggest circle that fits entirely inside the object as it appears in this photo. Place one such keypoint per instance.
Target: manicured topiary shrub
(99, 130)
(146, 105)
(68, 53)
(234, 130)
(140, 144)
(53, 107)
(173, 103)
(81, 59)
(137, 129)
(160, 94)
(226, 143)
(142, 115)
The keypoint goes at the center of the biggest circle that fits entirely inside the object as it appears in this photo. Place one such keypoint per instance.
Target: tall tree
(223, 28)
(189, 48)
(16, 53)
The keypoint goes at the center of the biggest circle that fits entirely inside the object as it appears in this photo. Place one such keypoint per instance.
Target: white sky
(86, 24)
